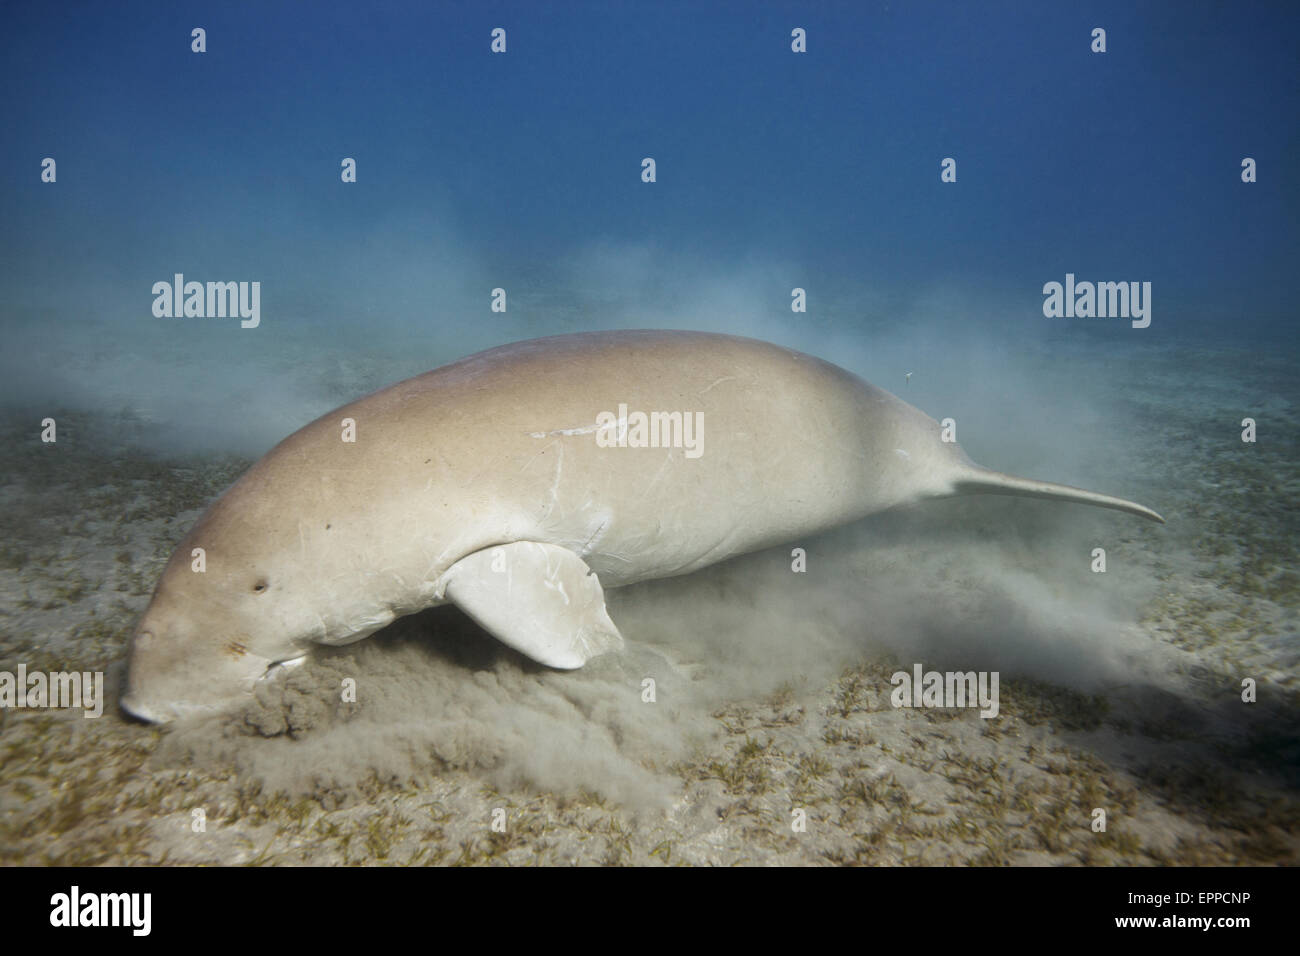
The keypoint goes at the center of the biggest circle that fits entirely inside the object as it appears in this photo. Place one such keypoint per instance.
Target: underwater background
(889, 186)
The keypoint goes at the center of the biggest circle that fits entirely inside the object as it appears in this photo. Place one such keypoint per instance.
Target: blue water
(522, 170)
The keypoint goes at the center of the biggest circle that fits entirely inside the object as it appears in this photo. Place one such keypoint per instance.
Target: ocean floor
(1119, 691)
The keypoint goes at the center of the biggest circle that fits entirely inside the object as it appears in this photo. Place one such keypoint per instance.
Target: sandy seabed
(1119, 692)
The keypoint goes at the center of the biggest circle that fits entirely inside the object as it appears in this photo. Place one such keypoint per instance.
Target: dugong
(519, 483)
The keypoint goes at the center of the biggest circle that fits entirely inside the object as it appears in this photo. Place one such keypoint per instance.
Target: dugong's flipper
(540, 599)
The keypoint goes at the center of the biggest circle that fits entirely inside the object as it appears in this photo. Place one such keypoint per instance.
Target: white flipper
(540, 599)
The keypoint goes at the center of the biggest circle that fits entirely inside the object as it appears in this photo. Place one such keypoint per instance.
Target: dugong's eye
(260, 586)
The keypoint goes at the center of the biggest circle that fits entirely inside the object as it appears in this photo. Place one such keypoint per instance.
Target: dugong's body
(518, 482)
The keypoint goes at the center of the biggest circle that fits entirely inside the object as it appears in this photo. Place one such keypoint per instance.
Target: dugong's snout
(164, 713)
(171, 677)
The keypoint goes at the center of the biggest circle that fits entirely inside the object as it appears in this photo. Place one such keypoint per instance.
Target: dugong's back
(769, 444)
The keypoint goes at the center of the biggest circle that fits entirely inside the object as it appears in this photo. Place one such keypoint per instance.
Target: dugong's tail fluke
(984, 482)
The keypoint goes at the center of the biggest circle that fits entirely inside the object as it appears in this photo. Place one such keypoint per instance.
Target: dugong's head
(221, 622)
